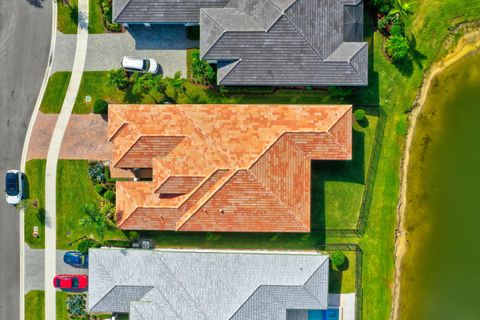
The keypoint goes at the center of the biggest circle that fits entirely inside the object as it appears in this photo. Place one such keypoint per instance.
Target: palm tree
(401, 8)
(174, 86)
(94, 218)
(118, 78)
(147, 84)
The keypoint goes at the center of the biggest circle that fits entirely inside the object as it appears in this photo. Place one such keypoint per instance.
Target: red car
(71, 282)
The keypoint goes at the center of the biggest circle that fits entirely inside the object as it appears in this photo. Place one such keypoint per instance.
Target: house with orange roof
(223, 168)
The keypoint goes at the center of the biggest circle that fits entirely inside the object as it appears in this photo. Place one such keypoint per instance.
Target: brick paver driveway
(85, 138)
(166, 44)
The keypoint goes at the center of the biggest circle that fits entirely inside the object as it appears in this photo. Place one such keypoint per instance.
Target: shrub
(108, 210)
(106, 6)
(359, 115)
(118, 78)
(203, 72)
(397, 48)
(100, 106)
(76, 305)
(383, 24)
(339, 92)
(84, 245)
(109, 195)
(337, 259)
(96, 173)
(100, 189)
(397, 29)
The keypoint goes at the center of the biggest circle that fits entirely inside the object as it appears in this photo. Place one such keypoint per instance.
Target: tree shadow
(335, 278)
(416, 55)
(131, 97)
(342, 171)
(36, 3)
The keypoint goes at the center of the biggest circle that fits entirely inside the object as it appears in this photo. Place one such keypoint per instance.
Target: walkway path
(166, 44)
(52, 158)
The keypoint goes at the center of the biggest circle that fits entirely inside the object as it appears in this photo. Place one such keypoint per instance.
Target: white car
(14, 186)
(145, 65)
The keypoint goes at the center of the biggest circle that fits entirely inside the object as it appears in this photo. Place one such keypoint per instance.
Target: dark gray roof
(157, 11)
(201, 285)
(286, 42)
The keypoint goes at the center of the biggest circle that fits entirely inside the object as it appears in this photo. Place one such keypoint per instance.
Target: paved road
(25, 29)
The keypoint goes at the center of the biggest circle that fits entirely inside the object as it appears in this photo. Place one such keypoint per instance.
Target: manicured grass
(95, 17)
(61, 305)
(55, 93)
(74, 190)
(35, 174)
(67, 16)
(343, 281)
(95, 85)
(332, 181)
(35, 305)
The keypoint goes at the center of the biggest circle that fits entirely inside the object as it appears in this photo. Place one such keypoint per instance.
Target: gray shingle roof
(205, 285)
(156, 11)
(301, 42)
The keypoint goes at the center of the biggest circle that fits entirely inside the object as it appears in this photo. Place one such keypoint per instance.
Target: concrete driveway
(166, 44)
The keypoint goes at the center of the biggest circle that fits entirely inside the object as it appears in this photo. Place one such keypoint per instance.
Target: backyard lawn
(67, 16)
(35, 305)
(55, 92)
(74, 190)
(343, 281)
(35, 173)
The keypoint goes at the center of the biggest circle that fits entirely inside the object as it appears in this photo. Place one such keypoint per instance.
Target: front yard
(74, 190)
(35, 213)
(35, 305)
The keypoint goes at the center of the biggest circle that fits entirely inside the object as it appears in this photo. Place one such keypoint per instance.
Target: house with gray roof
(269, 42)
(207, 285)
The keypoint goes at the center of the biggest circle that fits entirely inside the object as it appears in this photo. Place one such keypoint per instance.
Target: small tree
(202, 71)
(96, 173)
(338, 260)
(86, 244)
(401, 8)
(109, 195)
(359, 115)
(94, 218)
(397, 47)
(118, 78)
(100, 106)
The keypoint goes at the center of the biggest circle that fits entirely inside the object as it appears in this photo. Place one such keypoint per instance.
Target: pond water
(441, 269)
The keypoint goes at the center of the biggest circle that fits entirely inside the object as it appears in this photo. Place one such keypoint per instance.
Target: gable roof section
(223, 167)
(208, 285)
(297, 43)
(157, 11)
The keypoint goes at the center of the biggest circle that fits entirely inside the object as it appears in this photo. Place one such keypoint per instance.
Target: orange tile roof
(223, 167)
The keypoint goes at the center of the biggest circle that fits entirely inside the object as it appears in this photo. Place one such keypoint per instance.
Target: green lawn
(67, 16)
(62, 313)
(95, 17)
(55, 93)
(95, 85)
(35, 173)
(343, 281)
(35, 305)
(332, 181)
(74, 189)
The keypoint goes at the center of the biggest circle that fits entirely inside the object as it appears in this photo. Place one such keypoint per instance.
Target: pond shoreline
(469, 44)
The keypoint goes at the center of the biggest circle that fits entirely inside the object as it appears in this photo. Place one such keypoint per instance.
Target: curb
(23, 160)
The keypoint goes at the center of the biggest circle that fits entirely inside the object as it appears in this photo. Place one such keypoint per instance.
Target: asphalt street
(25, 31)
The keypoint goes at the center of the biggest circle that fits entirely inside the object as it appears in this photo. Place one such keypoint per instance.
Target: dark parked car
(71, 282)
(76, 259)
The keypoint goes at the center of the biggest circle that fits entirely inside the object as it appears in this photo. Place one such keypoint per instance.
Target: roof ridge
(353, 56)
(206, 137)
(193, 210)
(216, 40)
(346, 153)
(235, 62)
(127, 3)
(170, 272)
(289, 210)
(302, 36)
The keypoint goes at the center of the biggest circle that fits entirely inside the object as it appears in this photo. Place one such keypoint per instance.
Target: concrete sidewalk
(52, 158)
(166, 44)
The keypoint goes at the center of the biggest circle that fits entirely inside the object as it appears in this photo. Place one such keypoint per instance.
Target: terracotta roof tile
(224, 167)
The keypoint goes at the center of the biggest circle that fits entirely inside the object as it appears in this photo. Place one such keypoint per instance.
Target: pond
(440, 276)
